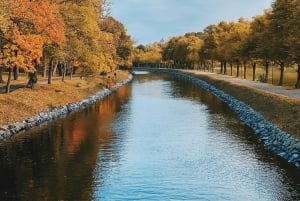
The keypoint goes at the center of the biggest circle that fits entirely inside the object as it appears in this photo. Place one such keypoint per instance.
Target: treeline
(270, 38)
(48, 36)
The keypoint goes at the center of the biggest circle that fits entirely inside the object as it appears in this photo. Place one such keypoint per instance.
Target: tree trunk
(212, 65)
(267, 72)
(238, 69)
(16, 72)
(221, 71)
(1, 74)
(231, 73)
(71, 73)
(225, 67)
(64, 71)
(55, 68)
(45, 68)
(281, 74)
(50, 72)
(245, 70)
(32, 79)
(8, 80)
(297, 85)
(253, 71)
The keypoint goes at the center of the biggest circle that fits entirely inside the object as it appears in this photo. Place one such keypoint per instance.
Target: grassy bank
(280, 110)
(24, 103)
(289, 81)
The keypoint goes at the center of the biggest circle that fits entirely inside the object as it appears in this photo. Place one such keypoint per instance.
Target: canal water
(158, 138)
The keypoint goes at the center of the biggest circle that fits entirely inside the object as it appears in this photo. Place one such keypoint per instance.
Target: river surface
(157, 138)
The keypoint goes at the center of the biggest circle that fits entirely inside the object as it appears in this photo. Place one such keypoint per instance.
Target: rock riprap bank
(282, 143)
(51, 114)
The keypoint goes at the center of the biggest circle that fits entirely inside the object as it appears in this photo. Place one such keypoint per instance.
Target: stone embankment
(55, 113)
(275, 139)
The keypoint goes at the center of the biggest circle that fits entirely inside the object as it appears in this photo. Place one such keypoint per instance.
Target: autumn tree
(279, 29)
(193, 48)
(293, 28)
(238, 38)
(208, 49)
(183, 50)
(223, 48)
(249, 48)
(175, 51)
(217, 44)
(148, 54)
(28, 26)
(259, 43)
(82, 34)
(121, 40)
(5, 14)
(95, 42)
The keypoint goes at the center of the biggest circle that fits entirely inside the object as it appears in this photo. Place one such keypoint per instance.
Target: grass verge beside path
(278, 109)
(24, 103)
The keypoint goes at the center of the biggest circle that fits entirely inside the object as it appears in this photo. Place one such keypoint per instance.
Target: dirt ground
(23, 102)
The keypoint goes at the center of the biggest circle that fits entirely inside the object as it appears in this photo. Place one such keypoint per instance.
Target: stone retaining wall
(55, 113)
(275, 139)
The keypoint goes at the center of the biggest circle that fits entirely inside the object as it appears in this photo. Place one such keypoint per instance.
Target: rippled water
(159, 138)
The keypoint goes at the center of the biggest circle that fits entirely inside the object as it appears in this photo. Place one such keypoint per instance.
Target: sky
(148, 21)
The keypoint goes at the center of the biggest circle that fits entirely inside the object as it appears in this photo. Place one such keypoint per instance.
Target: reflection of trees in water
(58, 161)
(222, 118)
(142, 78)
(65, 159)
(187, 89)
(110, 144)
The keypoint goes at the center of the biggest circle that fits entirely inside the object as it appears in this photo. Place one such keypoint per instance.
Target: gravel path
(293, 93)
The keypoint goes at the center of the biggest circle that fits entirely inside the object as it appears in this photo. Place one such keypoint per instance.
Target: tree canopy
(25, 27)
(270, 38)
(62, 31)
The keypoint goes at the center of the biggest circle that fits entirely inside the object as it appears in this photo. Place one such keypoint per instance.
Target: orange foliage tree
(26, 27)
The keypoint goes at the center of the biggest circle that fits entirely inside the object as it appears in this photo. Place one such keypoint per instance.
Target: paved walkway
(294, 93)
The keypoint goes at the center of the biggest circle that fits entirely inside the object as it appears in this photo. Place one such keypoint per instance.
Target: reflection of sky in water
(155, 139)
(140, 72)
(179, 148)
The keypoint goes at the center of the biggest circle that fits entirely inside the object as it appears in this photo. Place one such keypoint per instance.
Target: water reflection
(222, 120)
(234, 165)
(58, 161)
(161, 138)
